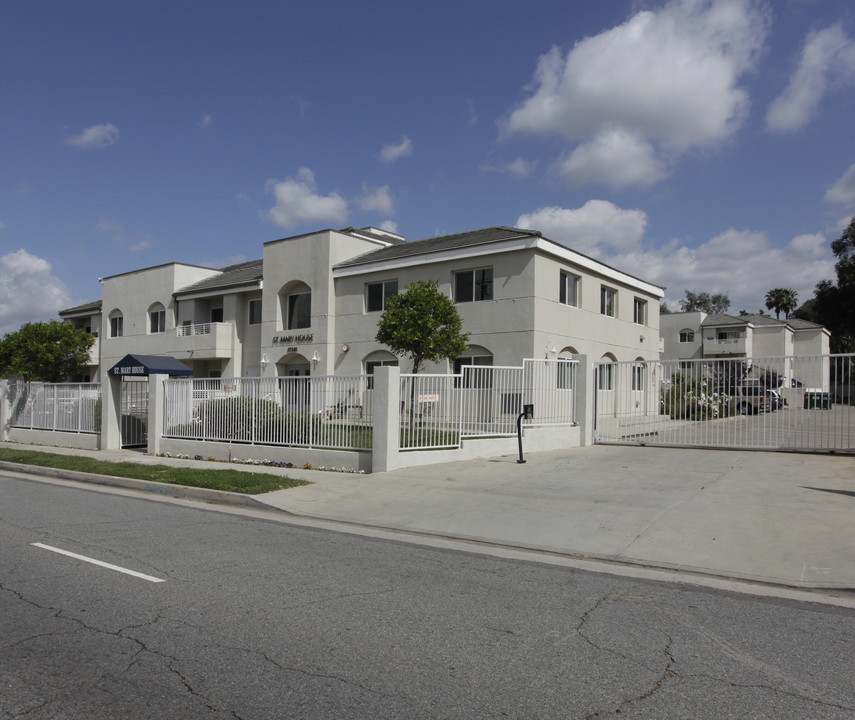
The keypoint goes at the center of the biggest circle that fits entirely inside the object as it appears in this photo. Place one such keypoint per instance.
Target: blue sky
(698, 144)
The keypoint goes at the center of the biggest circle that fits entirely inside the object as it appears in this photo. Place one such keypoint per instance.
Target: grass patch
(238, 481)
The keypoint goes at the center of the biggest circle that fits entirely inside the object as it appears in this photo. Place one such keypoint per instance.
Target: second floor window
(473, 285)
(299, 311)
(608, 301)
(639, 312)
(254, 312)
(157, 321)
(568, 291)
(116, 326)
(687, 336)
(378, 293)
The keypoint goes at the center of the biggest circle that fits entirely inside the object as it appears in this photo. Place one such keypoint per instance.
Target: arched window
(639, 372)
(156, 319)
(379, 358)
(476, 357)
(116, 324)
(295, 302)
(566, 370)
(606, 374)
(687, 335)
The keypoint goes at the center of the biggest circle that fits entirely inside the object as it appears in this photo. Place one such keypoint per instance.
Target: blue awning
(143, 365)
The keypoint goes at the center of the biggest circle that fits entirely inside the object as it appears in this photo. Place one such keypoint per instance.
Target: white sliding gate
(765, 403)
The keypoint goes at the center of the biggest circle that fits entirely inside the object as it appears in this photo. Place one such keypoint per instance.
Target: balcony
(725, 346)
(205, 340)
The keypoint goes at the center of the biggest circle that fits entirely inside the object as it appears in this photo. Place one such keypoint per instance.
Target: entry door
(295, 390)
(134, 412)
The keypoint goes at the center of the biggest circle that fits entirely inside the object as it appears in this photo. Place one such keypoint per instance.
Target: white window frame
(639, 311)
(117, 323)
(386, 291)
(686, 336)
(568, 281)
(156, 321)
(474, 283)
(608, 301)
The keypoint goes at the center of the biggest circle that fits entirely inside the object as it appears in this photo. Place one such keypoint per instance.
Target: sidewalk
(778, 518)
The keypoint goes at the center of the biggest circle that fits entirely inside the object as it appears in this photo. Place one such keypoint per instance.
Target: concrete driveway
(780, 518)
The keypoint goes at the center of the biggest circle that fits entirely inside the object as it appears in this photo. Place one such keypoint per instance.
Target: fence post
(156, 399)
(5, 410)
(111, 412)
(585, 399)
(387, 433)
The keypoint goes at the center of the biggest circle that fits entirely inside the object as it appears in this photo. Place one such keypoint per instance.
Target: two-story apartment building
(311, 304)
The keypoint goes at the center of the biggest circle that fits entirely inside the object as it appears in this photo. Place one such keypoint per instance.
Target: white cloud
(742, 263)
(391, 153)
(95, 137)
(377, 198)
(28, 291)
(297, 202)
(592, 229)
(663, 83)
(206, 122)
(389, 225)
(827, 61)
(614, 157)
(519, 168)
(130, 242)
(843, 191)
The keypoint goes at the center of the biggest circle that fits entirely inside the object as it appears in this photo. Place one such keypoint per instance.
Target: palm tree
(782, 299)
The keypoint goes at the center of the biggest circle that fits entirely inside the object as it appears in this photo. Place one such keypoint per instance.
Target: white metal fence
(333, 412)
(64, 407)
(769, 403)
(439, 411)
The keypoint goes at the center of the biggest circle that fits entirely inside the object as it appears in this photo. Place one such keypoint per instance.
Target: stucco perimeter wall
(297, 456)
(82, 441)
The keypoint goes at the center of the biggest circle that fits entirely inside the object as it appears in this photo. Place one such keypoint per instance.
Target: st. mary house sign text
(292, 339)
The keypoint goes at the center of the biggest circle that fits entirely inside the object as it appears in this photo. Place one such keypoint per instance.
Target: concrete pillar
(5, 410)
(585, 389)
(156, 399)
(111, 412)
(387, 434)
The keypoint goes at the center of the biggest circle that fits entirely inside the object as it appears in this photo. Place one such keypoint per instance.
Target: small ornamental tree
(422, 324)
(45, 352)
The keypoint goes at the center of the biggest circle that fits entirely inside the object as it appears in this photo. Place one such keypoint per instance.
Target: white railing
(319, 412)
(197, 329)
(64, 407)
(439, 411)
(787, 402)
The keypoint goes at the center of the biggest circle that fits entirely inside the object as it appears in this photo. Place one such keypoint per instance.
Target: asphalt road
(238, 615)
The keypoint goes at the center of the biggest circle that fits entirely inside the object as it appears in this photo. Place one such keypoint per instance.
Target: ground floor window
(473, 378)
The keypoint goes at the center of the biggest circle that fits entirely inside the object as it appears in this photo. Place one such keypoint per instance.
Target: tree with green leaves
(782, 300)
(704, 302)
(833, 304)
(45, 352)
(422, 324)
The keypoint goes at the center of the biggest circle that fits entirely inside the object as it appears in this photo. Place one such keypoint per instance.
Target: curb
(187, 492)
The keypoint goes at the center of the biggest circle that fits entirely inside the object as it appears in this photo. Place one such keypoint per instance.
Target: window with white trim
(639, 311)
(638, 376)
(376, 294)
(299, 311)
(157, 320)
(568, 290)
(473, 285)
(687, 336)
(608, 301)
(116, 325)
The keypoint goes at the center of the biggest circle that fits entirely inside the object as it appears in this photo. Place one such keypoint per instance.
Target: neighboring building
(311, 304)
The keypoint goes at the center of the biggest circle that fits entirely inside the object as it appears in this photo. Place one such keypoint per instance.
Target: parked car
(751, 399)
(776, 402)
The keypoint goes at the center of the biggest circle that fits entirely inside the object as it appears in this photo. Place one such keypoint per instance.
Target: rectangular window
(474, 378)
(606, 377)
(687, 336)
(639, 311)
(565, 375)
(376, 294)
(374, 364)
(473, 285)
(299, 311)
(216, 315)
(728, 336)
(638, 377)
(116, 324)
(568, 291)
(608, 301)
(255, 312)
(157, 321)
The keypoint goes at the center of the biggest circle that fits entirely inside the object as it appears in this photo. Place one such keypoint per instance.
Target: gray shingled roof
(247, 273)
(756, 319)
(90, 307)
(799, 324)
(374, 235)
(720, 320)
(438, 244)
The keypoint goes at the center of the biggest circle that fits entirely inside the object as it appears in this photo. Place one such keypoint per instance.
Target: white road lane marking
(98, 562)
